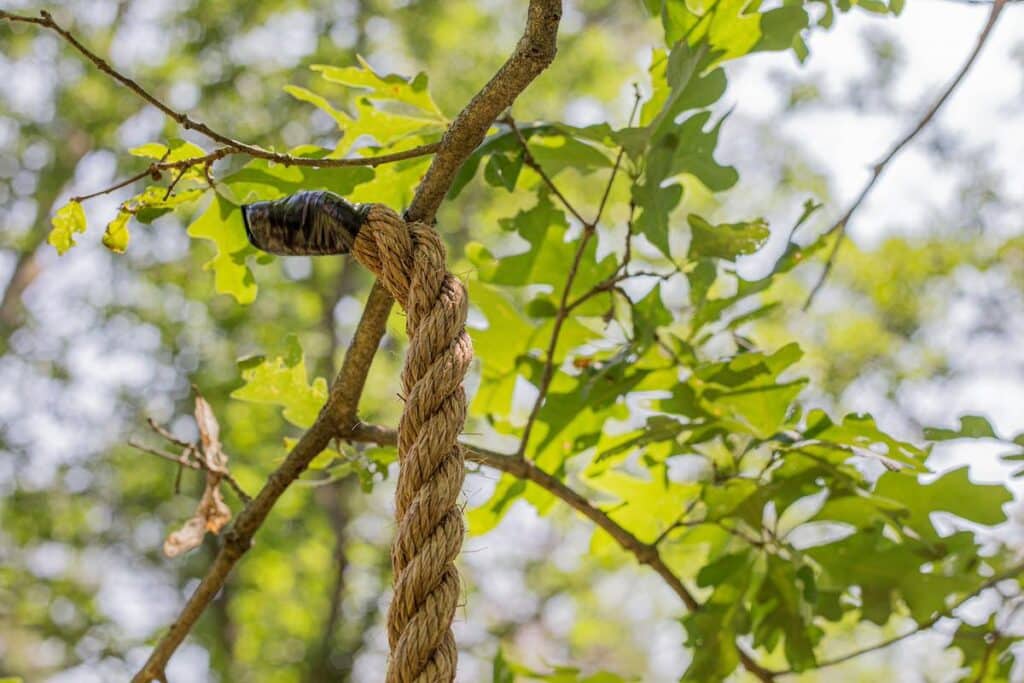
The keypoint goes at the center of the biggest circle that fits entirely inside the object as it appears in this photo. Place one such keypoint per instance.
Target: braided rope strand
(409, 259)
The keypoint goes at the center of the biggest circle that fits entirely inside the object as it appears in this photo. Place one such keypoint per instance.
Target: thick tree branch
(840, 226)
(535, 51)
(231, 145)
(521, 468)
(645, 553)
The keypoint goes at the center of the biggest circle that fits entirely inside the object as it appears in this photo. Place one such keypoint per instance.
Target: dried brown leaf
(212, 513)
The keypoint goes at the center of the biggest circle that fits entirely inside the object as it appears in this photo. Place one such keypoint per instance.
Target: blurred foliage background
(95, 343)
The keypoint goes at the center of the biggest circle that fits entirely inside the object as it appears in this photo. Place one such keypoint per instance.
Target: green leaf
(386, 127)
(68, 220)
(649, 314)
(503, 171)
(555, 147)
(684, 149)
(760, 411)
(390, 87)
(725, 240)
(971, 427)
(859, 431)
(545, 261)
(150, 150)
(221, 223)
(712, 630)
(175, 150)
(780, 611)
(116, 236)
(283, 381)
(953, 492)
(732, 28)
(263, 180)
(886, 571)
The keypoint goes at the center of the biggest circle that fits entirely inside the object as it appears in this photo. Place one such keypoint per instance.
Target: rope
(409, 259)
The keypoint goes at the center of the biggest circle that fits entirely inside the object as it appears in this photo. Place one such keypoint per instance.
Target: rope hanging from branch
(410, 260)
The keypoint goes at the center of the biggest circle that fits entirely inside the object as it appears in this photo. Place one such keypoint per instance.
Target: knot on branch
(409, 260)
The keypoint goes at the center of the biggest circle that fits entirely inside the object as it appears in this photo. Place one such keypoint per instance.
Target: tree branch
(519, 467)
(840, 226)
(645, 553)
(534, 52)
(182, 165)
(233, 146)
(193, 464)
(564, 307)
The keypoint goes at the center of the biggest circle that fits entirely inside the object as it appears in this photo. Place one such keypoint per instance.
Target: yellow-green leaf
(283, 381)
(222, 224)
(411, 91)
(116, 237)
(66, 222)
(150, 150)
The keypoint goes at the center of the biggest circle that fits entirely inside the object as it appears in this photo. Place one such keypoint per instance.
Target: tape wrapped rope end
(304, 224)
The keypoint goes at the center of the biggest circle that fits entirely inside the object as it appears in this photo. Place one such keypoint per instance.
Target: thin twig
(637, 96)
(46, 20)
(564, 307)
(162, 431)
(117, 186)
(184, 460)
(840, 226)
(539, 170)
(549, 360)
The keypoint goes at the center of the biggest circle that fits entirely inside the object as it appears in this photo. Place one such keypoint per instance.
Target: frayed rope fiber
(410, 260)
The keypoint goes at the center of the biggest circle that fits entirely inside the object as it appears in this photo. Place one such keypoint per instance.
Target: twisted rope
(410, 260)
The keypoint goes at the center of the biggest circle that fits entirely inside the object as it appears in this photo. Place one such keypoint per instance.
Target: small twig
(637, 96)
(612, 282)
(175, 181)
(840, 226)
(184, 460)
(532, 163)
(45, 19)
(549, 360)
(116, 186)
(162, 431)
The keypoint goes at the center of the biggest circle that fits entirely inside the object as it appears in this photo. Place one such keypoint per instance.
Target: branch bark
(521, 468)
(534, 52)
